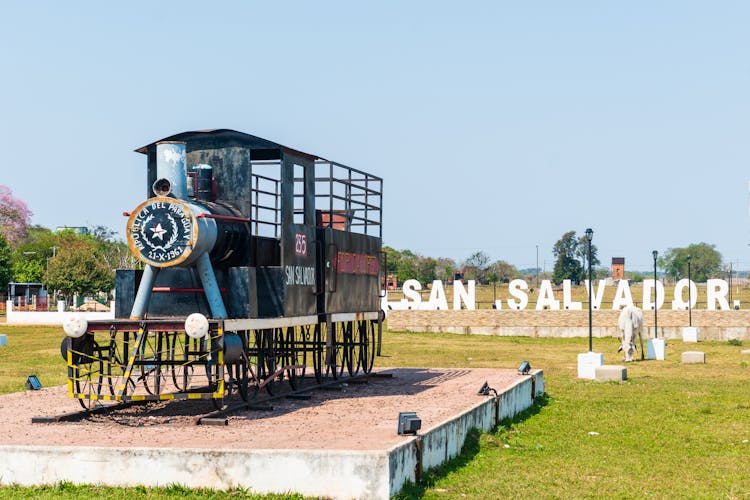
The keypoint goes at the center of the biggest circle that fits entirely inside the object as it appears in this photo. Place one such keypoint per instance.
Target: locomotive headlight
(196, 326)
(162, 187)
(167, 232)
(75, 326)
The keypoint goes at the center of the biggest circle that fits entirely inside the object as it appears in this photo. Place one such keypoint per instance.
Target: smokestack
(170, 166)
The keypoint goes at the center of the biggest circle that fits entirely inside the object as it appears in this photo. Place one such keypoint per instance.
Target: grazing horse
(630, 323)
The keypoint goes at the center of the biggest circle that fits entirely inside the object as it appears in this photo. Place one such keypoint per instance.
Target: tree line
(66, 261)
(571, 263)
(406, 265)
(72, 263)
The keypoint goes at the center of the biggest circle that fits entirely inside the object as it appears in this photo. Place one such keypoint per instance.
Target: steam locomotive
(261, 266)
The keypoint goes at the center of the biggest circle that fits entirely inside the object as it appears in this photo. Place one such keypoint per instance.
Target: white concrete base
(690, 334)
(587, 363)
(14, 317)
(656, 349)
(327, 473)
(610, 373)
(3, 340)
(693, 357)
(745, 351)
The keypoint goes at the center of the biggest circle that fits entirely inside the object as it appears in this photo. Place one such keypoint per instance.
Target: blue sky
(496, 126)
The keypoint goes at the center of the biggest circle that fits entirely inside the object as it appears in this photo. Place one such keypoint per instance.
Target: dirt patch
(357, 416)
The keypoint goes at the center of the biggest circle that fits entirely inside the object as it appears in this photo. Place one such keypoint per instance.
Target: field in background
(671, 430)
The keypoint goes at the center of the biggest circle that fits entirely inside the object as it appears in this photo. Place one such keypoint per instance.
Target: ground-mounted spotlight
(32, 383)
(524, 368)
(408, 422)
(485, 390)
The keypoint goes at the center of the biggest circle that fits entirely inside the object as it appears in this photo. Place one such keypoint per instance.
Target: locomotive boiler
(261, 266)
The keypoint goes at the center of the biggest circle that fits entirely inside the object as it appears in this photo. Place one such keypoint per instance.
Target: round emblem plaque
(161, 232)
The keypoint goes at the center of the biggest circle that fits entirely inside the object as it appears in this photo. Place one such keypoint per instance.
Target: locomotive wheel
(358, 336)
(295, 356)
(116, 366)
(253, 361)
(318, 346)
(367, 350)
(348, 349)
(181, 370)
(241, 379)
(89, 375)
(341, 348)
(273, 358)
(235, 385)
(153, 373)
(222, 402)
(303, 340)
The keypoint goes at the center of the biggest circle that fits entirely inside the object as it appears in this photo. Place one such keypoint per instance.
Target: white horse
(630, 323)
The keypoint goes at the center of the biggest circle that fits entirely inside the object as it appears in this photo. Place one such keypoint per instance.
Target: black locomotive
(260, 263)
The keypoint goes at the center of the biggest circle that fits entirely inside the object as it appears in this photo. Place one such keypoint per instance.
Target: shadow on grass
(468, 451)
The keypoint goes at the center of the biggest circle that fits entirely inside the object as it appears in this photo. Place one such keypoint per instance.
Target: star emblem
(158, 231)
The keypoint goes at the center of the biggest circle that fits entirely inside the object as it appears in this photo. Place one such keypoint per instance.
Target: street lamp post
(589, 237)
(537, 267)
(690, 295)
(656, 295)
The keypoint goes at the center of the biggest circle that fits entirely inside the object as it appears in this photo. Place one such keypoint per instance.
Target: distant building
(391, 282)
(75, 229)
(618, 268)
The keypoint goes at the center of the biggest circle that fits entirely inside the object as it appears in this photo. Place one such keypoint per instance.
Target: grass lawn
(671, 430)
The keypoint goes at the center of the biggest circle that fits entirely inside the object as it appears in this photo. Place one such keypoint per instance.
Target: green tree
(582, 251)
(504, 271)
(476, 266)
(30, 257)
(567, 265)
(6, 263)
(392, 258)
(407, 266)
(705, 262)
(115, 253)
(78, 267)
(426, 270)
(445, 268)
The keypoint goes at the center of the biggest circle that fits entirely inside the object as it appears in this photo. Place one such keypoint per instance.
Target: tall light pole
(730, 284)
(589, 237)
(537, 266)
(656, 295)
(690, 295)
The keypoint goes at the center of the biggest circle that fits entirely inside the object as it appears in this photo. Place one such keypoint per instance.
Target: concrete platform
(609, 373)
(693, 357)
(690, 334)
(745, 351)
(587, 364)
(338, 444)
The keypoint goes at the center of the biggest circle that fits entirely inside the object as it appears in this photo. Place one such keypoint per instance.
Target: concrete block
(3, 340)
(656, 349)
(693, 357)
(587, 363)
(608, 373)
(745, 351)
(690, 334)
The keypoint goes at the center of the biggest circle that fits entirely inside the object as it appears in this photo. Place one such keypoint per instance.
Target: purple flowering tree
(15, 216)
